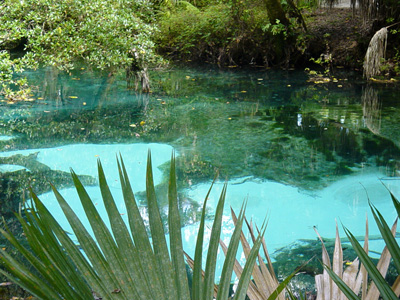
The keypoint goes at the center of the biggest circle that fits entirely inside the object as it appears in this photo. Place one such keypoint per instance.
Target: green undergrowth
(232, 33)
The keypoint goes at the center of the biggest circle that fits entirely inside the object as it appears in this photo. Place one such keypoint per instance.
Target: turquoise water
(302, 153)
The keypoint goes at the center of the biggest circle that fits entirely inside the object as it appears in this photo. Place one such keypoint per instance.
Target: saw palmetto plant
(352, 275)
(265, 284)
(122, 261)
(353, 282)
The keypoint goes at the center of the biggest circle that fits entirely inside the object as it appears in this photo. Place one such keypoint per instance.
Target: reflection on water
(372, 109)
(292, 147)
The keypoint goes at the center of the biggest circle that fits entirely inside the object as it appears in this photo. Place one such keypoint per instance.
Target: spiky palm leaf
(326, 287)
(120, 262)
(220, 292)
(265, 284)
(379, 286)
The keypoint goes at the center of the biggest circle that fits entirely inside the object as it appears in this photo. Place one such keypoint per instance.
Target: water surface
(301, 153)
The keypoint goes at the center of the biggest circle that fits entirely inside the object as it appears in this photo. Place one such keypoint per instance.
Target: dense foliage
(229, 33)
(104, 34)
(116, 35)
(127, 34)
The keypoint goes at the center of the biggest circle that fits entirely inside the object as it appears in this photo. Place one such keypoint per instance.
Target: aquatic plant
(354, 280)
(122, 263)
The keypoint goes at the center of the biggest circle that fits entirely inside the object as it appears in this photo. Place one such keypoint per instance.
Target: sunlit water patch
(82, 159)
(292, 213)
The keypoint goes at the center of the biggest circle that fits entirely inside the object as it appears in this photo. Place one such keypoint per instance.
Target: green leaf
(158, 236)
(74, 253)
(21, 275)
(383, 287)
(89, 246)
(58, 270)
(107, 244)
(177, 254)
(150, 274)
(211, 262)
(113, 266)
(387, 235)
(230, 257)
(130, 257)
(197, 282)
(395, 201)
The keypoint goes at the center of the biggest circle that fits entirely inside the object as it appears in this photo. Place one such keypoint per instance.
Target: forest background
(134, 36)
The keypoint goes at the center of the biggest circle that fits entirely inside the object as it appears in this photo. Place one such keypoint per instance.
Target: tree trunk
(276, 15)
(276, 12)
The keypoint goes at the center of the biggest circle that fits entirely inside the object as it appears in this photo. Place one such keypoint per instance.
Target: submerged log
(29, 161)
(14, 185)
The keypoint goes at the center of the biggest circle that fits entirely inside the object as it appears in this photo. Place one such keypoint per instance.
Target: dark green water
(267, 124)
(290, 145)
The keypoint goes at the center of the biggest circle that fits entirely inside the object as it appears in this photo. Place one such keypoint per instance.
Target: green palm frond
(120, 261)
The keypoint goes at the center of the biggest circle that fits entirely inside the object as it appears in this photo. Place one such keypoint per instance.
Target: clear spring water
(303, 154)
